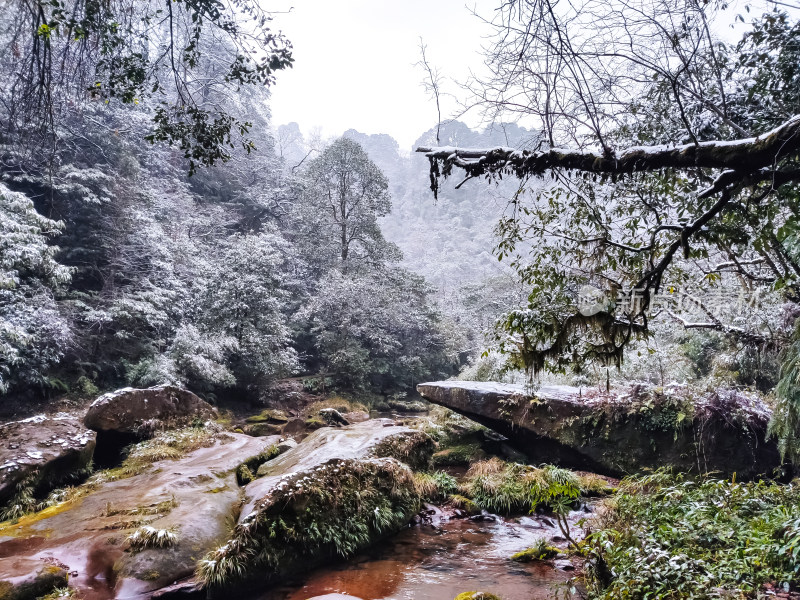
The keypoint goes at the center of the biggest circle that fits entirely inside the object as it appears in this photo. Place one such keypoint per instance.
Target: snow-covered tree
(242, 299)
(34, 334)
(345, 195)
(175, 58)
(377, 329)
(668, 164)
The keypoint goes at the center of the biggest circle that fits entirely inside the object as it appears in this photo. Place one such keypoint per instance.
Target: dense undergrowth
(665, 537)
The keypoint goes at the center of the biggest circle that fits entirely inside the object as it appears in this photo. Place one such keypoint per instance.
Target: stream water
(427, 563)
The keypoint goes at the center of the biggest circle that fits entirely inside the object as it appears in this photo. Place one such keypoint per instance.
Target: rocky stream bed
(320, 505)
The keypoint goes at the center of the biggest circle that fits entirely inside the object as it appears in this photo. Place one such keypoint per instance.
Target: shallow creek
(437, 563)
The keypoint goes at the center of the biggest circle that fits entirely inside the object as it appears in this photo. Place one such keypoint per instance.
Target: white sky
(354, 62)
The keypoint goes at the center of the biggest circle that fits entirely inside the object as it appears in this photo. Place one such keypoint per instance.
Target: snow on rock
(44, 451)
(138, 412)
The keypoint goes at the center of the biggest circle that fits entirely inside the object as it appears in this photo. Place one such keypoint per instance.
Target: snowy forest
(561, 344)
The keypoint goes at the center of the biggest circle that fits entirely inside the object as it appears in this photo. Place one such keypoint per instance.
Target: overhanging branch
(738, 157)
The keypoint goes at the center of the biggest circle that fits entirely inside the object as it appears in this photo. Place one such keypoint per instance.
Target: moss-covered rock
(476, 596)
(334, 509)
(38, 584)
(540, 551)
(274, 416)
(635, 429)
(330, 495)
(466, 504)
(262, 429)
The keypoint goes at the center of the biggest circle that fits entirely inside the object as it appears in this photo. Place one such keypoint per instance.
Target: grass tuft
(507, 488)
(150, 537)
(464, 503)
(413, 448)
(436, 486)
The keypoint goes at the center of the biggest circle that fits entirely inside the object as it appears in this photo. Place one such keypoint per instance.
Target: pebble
(564, 565)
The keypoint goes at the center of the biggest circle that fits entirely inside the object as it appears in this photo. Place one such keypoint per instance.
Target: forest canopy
(203, 258)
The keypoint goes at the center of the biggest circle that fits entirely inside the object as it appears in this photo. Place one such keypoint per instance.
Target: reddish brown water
(422, 563)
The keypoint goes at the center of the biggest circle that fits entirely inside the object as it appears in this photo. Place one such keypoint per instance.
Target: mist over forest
(552, 349)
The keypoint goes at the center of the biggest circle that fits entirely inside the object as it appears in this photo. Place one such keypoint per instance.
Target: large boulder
(108, 533)
(378, 438)
(337, 492)
(637, 429)
(38, 454)
(139, 412)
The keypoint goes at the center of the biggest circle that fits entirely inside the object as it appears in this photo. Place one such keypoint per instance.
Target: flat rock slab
(195, 497)
(45, 450)
(628, 432)
(131, 411)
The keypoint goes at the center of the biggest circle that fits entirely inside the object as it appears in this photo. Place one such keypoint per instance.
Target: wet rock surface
(355, 441)
(41, 453)
(137, 412)
(193, 498)
(610, 435)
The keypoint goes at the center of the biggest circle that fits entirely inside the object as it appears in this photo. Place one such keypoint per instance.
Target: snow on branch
(737, 156)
